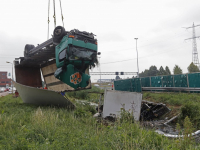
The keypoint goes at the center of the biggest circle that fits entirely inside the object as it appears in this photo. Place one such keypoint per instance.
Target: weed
(126, 116)
(188, 129)
(84, 111)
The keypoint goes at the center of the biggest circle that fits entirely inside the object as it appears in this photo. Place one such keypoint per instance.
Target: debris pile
(151, 110)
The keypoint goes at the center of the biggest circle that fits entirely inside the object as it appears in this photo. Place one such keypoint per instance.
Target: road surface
(4, 94)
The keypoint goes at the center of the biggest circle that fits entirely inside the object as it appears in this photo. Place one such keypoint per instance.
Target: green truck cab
(75, 53)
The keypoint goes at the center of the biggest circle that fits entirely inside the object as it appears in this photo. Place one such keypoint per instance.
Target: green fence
(191, 80)
(131, 85)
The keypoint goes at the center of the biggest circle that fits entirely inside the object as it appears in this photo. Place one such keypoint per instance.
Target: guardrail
(180, 89)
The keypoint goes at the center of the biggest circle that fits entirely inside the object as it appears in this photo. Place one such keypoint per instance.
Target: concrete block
(115, 100)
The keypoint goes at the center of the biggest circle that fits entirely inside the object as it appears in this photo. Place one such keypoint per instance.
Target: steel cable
(48, 20)
(61, 13)
(54, 16)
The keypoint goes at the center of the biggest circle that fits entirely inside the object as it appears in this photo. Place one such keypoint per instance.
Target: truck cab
(75, 53)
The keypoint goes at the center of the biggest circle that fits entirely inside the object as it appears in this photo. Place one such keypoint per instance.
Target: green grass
(31, 127)
(86, 95)
(177, 99)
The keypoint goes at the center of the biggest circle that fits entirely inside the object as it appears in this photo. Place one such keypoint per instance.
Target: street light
(137, 58)
(12, 74)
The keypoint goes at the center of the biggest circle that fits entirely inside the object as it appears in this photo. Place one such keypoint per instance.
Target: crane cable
(48, 20)
(61, 13)
(54, 16)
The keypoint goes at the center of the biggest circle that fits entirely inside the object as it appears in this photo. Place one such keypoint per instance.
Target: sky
(158, 25)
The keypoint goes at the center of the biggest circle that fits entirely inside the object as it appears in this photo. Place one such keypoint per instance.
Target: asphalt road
(4, 94)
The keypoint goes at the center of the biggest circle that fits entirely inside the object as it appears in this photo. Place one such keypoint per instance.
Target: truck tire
(58, 33)
(27, 49)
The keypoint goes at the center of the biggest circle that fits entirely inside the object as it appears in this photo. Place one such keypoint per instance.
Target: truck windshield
(62, 55)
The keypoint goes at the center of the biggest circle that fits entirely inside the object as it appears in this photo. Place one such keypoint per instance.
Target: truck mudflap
(72, 77)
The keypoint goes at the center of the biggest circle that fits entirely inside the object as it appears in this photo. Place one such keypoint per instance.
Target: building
(104, 80)
(4, 79)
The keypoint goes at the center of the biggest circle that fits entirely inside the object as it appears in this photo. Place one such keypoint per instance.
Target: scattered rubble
(151, 110)
(173, 118)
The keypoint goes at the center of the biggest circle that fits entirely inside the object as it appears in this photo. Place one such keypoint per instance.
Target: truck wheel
(58, 33)
(27, 48)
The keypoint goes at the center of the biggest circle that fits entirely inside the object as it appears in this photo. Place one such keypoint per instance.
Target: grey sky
(157, 23)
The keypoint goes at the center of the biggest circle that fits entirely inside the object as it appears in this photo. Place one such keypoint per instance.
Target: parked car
(96, 85)
(3, 89)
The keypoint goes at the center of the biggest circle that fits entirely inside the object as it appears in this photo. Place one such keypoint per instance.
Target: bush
(126, 116)
(90, 109)
(192, 110)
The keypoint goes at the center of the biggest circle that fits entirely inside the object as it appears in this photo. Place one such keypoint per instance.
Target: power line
(140, 57)
(118, 61)
(131, 48)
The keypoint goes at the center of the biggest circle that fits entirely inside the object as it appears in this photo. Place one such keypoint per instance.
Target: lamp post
(12, 74)
(137, 58)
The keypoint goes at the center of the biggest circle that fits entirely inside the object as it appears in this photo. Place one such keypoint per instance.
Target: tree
(168, 72)
(152, 71)
(161, 71)
(144, 73)
(192, 68)
(177, 70)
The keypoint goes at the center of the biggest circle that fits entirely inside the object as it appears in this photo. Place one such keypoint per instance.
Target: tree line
(153, 71)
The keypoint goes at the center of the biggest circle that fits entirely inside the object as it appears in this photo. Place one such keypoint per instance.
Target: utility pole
(195, 58)
(137, 58)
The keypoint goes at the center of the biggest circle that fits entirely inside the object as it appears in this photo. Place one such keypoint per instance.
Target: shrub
(126, 116)
(192, 110)
(90, 109)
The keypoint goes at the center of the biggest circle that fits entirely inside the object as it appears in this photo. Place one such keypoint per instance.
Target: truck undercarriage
(62, 61)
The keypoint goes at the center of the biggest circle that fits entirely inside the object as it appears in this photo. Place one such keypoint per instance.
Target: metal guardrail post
(187, 81)
(150, 81)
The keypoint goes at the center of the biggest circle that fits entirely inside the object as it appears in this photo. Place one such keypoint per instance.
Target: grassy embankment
(185, 104)
(31, 127)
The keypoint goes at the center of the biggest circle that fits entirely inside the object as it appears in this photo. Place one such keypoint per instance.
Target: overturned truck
(62, 61)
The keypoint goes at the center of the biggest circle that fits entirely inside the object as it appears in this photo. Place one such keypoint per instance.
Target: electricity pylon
(195, 58)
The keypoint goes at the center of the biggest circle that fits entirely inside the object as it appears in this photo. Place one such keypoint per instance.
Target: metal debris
(151, 110)
(173, 118)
